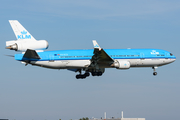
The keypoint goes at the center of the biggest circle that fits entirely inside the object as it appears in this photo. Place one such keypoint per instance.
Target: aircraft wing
(100, 57)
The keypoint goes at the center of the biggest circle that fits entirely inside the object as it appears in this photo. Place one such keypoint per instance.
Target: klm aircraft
(84, 62)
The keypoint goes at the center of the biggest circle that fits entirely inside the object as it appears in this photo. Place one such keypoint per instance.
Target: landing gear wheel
(87, 74)
(154, 73)
(77, 77)
(80, 76)
(154, 68)
(83, 76)
(99, 73)
(94, 73)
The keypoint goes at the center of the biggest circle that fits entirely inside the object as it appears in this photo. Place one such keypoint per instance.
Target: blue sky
(34, 93)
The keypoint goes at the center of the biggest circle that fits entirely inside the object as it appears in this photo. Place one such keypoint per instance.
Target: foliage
(84, 118)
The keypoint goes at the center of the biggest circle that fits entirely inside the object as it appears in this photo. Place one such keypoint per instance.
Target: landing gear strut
(154, 68)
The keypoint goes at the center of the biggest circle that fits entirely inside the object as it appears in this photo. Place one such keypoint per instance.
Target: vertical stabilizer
(24, 39)
(20, 32)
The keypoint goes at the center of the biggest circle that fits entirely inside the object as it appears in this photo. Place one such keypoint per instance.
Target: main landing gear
(82, 76)
(96, 73)
(87, 73)
(154, 68)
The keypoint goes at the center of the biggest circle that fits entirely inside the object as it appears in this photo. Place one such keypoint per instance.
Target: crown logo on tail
(96, 46)
(23, 35)
(23, 32)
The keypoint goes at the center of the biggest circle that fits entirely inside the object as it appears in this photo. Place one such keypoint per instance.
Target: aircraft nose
(174, 59)
(171, 60)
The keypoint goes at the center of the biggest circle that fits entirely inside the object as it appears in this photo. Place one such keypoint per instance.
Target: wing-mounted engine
(23, 45)
(122, 64)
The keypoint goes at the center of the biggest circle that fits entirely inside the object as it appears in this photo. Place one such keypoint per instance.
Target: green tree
(84, 118)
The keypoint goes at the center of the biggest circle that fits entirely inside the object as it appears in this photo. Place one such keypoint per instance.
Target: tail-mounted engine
(122, 64)
(23, 45)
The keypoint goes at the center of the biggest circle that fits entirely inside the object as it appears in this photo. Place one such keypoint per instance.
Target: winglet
(96, 45)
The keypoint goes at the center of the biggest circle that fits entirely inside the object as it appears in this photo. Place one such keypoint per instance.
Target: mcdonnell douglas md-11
(92, 61)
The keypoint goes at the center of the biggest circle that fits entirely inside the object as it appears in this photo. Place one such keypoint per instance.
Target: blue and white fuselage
(64, 59)
(92, 61)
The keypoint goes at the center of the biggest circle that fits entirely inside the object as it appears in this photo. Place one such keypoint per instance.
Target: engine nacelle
(23, 45)
(122, 64)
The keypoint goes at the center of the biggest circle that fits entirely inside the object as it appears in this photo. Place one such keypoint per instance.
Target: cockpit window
(171, 54)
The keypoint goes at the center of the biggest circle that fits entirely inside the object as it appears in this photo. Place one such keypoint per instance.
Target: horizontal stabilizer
(31, 54)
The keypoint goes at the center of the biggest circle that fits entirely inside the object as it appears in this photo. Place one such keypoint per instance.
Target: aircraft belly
(50, 64)
(70, 64)
(64, 64)
(148, 62)
(78, 63)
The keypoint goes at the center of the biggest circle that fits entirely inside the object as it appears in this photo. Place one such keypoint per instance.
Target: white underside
(72, 64)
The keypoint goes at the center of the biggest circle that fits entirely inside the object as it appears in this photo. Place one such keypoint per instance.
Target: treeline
(84, 118)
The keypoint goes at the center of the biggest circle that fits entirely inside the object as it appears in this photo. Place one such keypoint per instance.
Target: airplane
(88, 61)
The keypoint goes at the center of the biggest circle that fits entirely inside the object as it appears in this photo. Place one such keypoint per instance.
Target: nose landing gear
(154, 73)
(154, 68)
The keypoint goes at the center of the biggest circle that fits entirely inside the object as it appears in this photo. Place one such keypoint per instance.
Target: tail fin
(20, 32)
(24, 39)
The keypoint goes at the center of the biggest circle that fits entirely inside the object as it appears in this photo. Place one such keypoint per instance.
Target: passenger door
(51, 58)
(142, 56)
